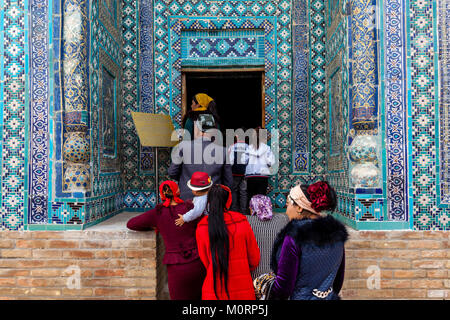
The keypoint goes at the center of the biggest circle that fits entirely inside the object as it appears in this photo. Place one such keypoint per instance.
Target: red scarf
(230, 199)
(175, 190)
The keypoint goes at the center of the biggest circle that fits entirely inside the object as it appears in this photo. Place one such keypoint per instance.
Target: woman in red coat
(185, 271)
(227, 248)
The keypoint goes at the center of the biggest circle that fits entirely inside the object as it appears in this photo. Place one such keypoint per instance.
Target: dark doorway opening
(238, 95)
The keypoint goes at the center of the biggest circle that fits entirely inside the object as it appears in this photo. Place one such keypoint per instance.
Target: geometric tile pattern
(146, 89)
(75, 77)
(103, 207)
(106, 83)
(13, 116)
(175, 57)
(395, 109)
(67, 212)
(337, 76)
(427, 213)
(133, 180)
(363, 80)
(301, 113)
(138, 200)
(39, 112)
(426, 164)
(444, 100)
(225, 47)
(171, 24)
(369, 209)
(317, 82)
(240, 47)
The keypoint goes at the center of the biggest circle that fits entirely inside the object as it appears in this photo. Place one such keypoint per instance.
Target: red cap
(199, 181)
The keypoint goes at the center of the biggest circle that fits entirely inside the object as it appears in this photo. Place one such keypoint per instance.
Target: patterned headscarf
(320, 194)
(300, 199)
(175, 190)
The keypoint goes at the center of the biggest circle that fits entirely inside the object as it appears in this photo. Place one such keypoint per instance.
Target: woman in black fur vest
(308, 255)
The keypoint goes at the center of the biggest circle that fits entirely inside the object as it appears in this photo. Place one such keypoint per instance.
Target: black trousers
(256, 185)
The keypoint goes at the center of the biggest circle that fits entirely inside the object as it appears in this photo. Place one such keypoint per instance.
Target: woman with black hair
(185, 271)
(227, 248)
(201, 104)
(308, 255)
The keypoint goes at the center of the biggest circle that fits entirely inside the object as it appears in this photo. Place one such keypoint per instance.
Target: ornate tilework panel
(335, 111)
(364, 65)
(62, 212)
(146, 74)
(130, 68)
(39, 112)
(337, 75)
(171, 18)
(317, 86)
(300, 104)
(98, 209)
(75, 50)
(427, 213)
(106, 110)
(395, 109)
(109, 113)
(225, 47)
(177, 24)
(109, 14)
(444, 99)
(138, 200)
(13, 147)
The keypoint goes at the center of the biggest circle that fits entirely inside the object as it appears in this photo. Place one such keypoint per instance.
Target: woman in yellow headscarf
(201, 104)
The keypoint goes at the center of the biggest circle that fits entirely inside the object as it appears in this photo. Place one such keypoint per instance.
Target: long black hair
(218, 234)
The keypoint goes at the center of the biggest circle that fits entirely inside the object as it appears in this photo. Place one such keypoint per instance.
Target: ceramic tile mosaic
(300, 102)
(13, 116)
(39, 112)
(226, 47)
(307, 45)
(106, 110)
(169, 19)
(317, 86)
(364, 77)
(395, 104)
(175, 58)
(108, 114)
(146, 79)
(337, 113)
(444, 100)
(427, 213)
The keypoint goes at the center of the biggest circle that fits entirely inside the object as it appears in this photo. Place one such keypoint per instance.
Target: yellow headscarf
(203, 99)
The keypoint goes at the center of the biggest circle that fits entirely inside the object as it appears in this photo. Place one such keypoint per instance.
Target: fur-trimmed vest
(321, 245)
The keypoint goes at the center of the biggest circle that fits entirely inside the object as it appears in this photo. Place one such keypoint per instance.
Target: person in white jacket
(258, 159)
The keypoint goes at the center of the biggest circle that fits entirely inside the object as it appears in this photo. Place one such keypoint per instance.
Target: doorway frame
(184, 71)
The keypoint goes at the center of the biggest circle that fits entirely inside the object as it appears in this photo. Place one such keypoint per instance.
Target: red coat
(180, 244)
(244, 257)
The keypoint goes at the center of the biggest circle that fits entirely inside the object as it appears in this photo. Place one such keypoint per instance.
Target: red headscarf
(175, 190)
(230, 199)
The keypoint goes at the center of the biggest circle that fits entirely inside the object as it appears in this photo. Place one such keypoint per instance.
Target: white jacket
(258, 160)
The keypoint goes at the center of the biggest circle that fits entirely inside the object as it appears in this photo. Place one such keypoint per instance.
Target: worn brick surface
(128, 265)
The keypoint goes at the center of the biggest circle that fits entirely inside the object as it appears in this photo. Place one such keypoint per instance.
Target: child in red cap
(199, 183)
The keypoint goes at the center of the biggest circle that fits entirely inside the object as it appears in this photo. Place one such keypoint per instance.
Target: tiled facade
(358, 98)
